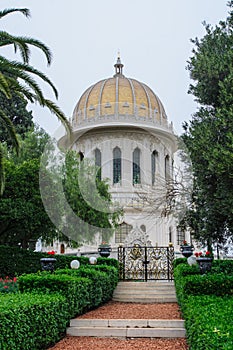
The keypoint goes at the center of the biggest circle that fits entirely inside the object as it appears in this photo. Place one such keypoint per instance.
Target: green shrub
(32, 321)
(178, 261)
(209, 284)
(188, 281)
(108, 261)
(76, 290)
(95, 287)
(180, 273)
(207, 306)
(224, 266)
(112, 273)
(104, 280)
(15, 261)
(208, 321)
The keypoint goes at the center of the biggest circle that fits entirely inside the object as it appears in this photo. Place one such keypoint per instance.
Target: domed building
(122, 125)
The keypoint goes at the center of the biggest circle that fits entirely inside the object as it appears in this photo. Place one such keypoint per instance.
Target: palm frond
(4, 86)
(21, 90)
(5, 120)
(22, 43)
(17, 42)
(24, 11)
(2, 172)
(19, 74)
(37, 43)
(59, 114)
(6, 64)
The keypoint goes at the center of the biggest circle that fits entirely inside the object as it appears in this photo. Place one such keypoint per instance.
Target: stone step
(127, 328)
(126, 323)
(145, 292)
(143, 300)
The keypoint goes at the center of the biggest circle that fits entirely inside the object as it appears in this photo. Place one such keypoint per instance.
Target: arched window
(62, 248)
(154, 156)
(98, 163)
(122, 231)
(167, 167)
(81, 155)
(136, 167)
(116, 165)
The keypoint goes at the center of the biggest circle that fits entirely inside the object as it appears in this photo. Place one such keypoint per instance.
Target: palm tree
(20, 77)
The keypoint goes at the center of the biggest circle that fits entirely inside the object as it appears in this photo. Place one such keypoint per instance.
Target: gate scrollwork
(146, 263)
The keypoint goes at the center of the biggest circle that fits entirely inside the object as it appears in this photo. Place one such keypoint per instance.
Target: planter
(48, 264)
(104, 252)
(205, 264)
(187, 250)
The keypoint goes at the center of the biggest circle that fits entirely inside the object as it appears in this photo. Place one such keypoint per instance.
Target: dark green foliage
(15, 109)
(108, 261)
(22, 213)
(84, 288)
(75, 289)
(207, 306)
(96, 288)
(104, 280)
(32, 321)
(111, 271)
(208, 322)
(208, 284)
(209, 135)
(89, 199)
(224, 266)
(17, 82)
(15, 261)
(178, 261)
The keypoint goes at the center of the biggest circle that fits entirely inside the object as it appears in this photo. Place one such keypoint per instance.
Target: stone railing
(120, 112)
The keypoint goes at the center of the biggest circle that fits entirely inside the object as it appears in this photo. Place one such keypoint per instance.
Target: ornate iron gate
(146, 263)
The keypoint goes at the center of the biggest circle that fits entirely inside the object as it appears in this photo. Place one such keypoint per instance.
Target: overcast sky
(153, 37)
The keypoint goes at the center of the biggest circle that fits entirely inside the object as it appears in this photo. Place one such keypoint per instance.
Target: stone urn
(48, 264)
(205, 264)
(187, 250)
(104, 250)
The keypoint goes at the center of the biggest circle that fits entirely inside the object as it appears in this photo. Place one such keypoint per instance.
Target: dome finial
(118, 66)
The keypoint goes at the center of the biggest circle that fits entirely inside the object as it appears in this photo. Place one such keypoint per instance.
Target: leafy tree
(23, 216)
(209, 135)
(88, 206)
(18, 77)
(16, 110)
(22, 213)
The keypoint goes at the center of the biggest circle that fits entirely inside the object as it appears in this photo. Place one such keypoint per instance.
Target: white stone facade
(125, 116)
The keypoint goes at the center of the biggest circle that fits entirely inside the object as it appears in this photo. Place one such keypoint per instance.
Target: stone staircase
(119, 328)
(137, 292)
(145, 292)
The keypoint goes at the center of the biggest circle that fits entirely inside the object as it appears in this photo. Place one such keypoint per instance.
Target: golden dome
(118, 97)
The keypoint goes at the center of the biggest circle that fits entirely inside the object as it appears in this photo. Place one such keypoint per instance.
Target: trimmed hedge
(15, 261)
(112, 273)
(189, 281)
(178, 261)
(73, 288)
(224, 266)
(104, 280)
(207, 306)
(208, 321)
(32, 321)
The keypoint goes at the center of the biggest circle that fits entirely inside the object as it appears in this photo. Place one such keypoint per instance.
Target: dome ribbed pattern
(118, 96)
